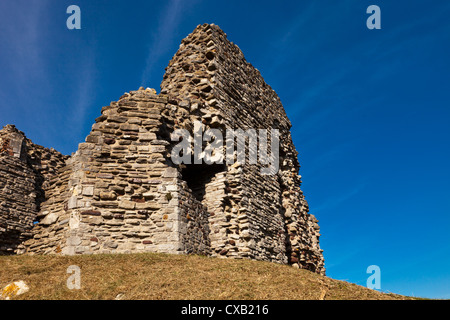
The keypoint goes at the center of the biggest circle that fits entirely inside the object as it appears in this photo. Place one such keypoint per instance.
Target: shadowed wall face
(24, 167)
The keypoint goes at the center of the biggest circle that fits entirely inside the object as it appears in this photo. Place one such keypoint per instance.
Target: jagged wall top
(207, 66)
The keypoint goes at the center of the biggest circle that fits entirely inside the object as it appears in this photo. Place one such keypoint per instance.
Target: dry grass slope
(173, 277)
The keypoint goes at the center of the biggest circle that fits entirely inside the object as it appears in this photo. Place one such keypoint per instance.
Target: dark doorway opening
(197, 176)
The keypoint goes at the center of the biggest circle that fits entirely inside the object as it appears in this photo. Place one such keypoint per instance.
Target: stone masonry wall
(24, 168)
(17, 203)
(121, 193)
(261, 217)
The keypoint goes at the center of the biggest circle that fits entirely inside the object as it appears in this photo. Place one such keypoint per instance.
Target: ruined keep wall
(119, 191)
(17, 202)
(24, 168)
(259, 216)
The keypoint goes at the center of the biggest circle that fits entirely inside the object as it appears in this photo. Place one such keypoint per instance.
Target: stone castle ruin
(120, 192)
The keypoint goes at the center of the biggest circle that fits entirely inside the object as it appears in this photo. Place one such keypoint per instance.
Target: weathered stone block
(49, 219)
(126, 204)
(91, 213)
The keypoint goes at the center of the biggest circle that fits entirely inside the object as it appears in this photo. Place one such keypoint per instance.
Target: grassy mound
(173, 277)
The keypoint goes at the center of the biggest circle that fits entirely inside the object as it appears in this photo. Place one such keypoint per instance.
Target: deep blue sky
(370, 108)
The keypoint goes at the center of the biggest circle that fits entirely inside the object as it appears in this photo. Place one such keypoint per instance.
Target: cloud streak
(161, 41)
(25, 77)
(83, 98)
(30, 92)
(20, 37)
(337, 200)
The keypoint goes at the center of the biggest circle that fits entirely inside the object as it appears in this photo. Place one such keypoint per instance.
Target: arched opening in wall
(198, 176)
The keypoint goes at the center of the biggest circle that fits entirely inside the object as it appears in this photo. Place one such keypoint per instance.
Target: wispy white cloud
(162, 39)
(302, 37)
(28, 62)
(344, 258)
(339, 198)
(83, 97)
(329, 154)
(20, 37)
(312, 31)
(25, 77)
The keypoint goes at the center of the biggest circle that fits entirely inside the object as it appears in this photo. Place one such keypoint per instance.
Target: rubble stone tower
(121, 192)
